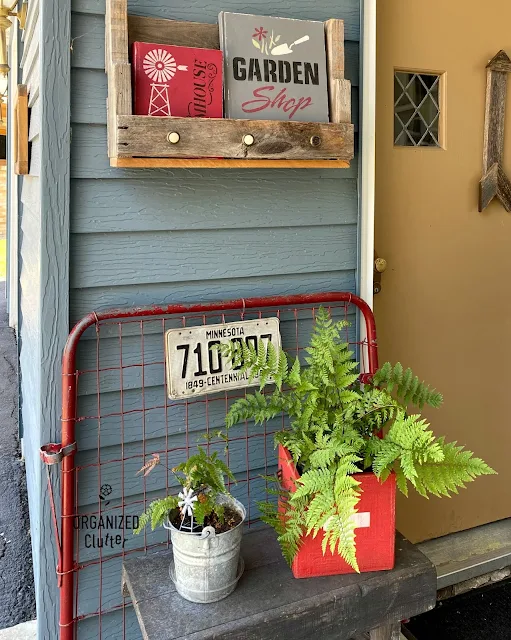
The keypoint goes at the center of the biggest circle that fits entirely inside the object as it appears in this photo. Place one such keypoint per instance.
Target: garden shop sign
(194, 364)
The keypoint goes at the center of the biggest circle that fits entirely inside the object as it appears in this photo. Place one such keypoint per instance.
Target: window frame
(442, 89)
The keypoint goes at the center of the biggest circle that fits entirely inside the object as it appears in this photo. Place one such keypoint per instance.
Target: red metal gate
(114, 390)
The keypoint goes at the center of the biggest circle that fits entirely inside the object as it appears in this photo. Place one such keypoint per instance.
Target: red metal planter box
(375, 534)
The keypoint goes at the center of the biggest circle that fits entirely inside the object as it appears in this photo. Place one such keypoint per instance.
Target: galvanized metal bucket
(207, 565)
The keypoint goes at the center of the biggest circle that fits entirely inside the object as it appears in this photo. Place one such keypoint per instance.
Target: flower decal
(106, 490)
(264, 42)
(187, 502)
(160, 65)
(260, 33)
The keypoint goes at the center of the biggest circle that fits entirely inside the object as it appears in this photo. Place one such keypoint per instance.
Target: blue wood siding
(44, 282)
(140, 237)
(30, 279)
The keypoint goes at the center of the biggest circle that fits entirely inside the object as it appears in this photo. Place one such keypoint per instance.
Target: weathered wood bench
(270, 604)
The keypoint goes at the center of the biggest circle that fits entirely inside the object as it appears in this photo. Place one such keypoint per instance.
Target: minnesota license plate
(195, 368)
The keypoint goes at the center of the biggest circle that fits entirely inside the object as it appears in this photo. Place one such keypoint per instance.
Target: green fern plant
(201, 474)
(334, 434)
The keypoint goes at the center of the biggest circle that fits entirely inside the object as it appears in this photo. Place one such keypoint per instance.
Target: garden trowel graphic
(285, 49)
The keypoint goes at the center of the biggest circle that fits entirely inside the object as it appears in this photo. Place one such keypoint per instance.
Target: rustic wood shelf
(143, 141)
(146, 136)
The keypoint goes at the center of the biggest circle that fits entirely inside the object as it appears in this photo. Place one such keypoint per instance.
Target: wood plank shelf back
(144, 141)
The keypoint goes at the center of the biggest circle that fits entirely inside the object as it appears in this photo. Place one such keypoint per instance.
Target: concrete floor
(25, 631)
(17, 601)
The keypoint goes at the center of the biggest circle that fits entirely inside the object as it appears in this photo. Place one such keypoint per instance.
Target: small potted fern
(206, 526)
(347, 446)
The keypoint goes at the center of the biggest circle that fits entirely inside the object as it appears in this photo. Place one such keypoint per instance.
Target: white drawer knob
(173, 137)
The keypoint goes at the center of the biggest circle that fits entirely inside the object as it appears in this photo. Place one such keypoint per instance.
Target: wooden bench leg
(388, 632)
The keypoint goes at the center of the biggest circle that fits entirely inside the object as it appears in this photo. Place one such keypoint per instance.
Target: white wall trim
(13, 186)
(367, 149)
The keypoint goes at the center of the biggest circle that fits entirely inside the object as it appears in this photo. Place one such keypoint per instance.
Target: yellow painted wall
(445, 308)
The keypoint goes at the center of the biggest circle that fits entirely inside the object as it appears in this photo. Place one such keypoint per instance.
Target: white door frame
(367, 155)
(367, 149)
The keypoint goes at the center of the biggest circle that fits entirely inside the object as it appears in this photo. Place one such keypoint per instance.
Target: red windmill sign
(177, 81)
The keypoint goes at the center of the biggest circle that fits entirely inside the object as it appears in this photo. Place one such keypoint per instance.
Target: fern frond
(294, 378)
(254, 406)
(204, 507)
(143, 521)
(401, 481)
(340, 537)
(339, 530)
(270, 515)
(388, 378)
(387, 454)
(397, 376)
(292, 528)
(457, 468)
(319, 511)
(406, 383)
(280, 370)
(313, 481)
(264, 361)
(322, 457)
(156, 513)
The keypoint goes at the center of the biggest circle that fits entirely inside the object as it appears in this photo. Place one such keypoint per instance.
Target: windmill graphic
(161, 67)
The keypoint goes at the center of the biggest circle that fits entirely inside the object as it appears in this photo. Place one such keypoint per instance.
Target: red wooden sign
(177, 81)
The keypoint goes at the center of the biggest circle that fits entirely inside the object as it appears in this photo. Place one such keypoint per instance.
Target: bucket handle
(209, 536)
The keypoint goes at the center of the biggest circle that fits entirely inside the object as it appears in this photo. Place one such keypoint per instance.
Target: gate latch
(54, 453)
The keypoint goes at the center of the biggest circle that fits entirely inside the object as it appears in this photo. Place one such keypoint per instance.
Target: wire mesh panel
(116, 408)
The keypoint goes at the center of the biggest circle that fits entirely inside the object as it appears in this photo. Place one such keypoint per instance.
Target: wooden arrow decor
(495, 183)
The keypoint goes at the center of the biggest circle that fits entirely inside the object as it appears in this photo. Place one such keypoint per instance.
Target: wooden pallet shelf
(143, 141)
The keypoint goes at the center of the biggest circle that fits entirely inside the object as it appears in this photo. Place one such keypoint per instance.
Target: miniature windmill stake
(495, 183)
(160, 66)
(187, 506)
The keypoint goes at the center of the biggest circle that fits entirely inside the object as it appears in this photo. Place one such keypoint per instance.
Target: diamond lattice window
(416, 109)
